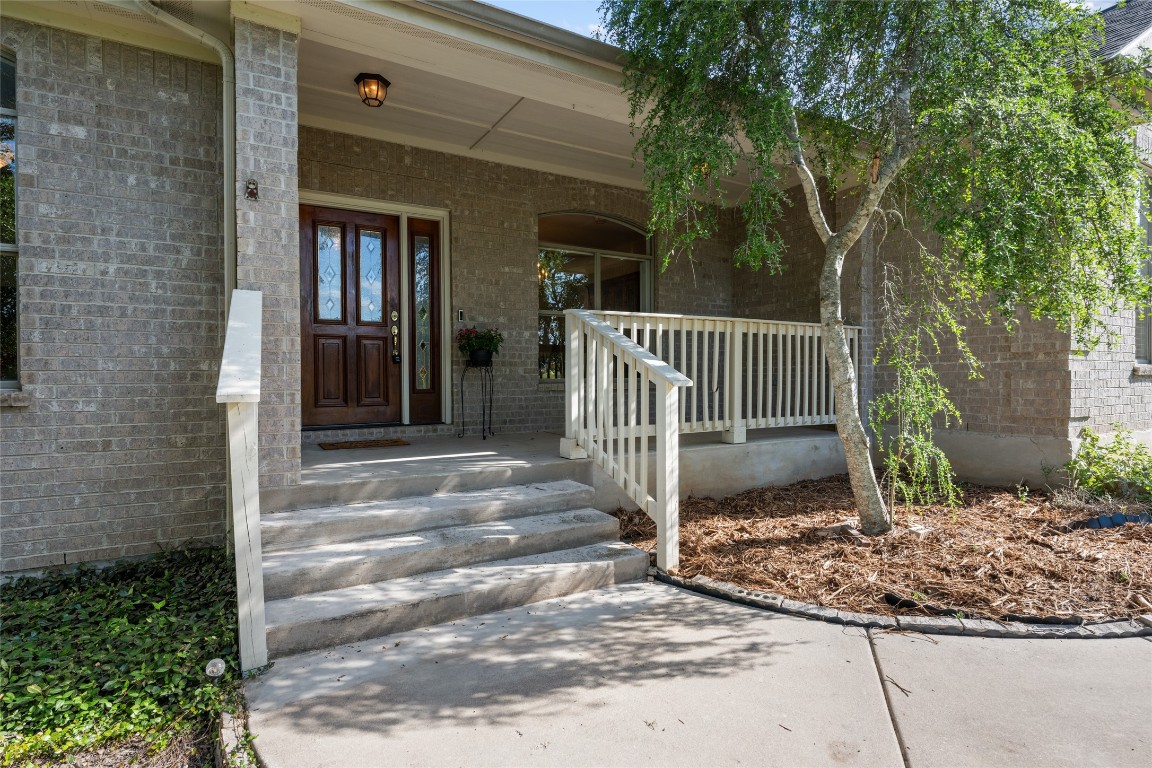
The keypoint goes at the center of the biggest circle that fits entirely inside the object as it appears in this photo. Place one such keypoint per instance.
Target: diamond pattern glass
(329, 273)
(371, 282)
(422, 257)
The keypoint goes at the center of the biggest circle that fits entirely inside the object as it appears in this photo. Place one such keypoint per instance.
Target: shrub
(1121, 468)
(91, 657)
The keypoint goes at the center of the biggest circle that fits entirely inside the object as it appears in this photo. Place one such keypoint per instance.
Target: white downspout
(228, 64)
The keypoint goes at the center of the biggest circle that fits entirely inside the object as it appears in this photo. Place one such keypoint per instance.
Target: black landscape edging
(929, 625)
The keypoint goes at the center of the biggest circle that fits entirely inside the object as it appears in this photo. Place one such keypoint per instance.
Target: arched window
(587, 262)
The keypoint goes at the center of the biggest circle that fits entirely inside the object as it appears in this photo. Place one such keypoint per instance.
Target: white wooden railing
(746, 374)
(239, 388)
(623, 402)
(624, 373)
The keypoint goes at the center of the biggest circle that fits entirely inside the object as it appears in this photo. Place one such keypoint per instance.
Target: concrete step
(334, 525)
(347, 615)
(298, 571)
(366, 484)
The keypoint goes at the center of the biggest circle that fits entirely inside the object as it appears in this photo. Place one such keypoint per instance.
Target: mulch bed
(1000, 555)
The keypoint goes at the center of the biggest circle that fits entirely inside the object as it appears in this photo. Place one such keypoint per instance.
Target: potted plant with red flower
(479, 346)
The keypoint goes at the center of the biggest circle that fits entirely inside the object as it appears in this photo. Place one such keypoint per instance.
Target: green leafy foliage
(91, 657)
(904, 416)
(1120, 468)
(1003, 131)
(992, 123)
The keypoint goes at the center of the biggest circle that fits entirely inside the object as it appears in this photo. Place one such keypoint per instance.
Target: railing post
(573, 403)
(243, 451)
(667, 490)
(737, 431)
(239, 389)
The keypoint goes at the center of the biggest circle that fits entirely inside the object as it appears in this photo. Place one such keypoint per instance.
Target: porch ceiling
(472, 80)
(467, 78)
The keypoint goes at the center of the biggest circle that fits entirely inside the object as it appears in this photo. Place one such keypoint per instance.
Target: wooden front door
(350, 313)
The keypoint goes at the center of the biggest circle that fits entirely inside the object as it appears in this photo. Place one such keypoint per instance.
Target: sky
(578, 16)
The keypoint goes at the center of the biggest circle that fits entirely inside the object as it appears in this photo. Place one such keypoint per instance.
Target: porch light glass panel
(422, 300)
(329, 273)
(371, 277)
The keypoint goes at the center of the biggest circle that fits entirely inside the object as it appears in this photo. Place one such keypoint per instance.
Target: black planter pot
(480, 358)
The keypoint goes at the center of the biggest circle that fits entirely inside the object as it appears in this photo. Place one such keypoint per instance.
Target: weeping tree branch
(807, 180)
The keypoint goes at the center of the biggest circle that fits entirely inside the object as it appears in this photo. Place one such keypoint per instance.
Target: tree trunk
(874, 516)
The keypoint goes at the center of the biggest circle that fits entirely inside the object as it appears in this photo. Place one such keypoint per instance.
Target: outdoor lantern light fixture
(373, 88)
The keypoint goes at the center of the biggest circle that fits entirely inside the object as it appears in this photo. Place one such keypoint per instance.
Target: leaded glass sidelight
(422, 300)
(371, 277)
(329, 273)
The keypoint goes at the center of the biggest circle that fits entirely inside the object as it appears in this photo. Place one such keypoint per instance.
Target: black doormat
(388, 443)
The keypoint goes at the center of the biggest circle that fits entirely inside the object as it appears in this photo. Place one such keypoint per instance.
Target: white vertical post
(239, 388)
(573, 402)
(737, 431)
(667, 490)
(243, 452)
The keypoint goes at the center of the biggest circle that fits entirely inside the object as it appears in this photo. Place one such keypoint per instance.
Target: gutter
(228, 64)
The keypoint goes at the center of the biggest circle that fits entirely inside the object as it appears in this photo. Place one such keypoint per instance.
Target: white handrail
(239, 388)
(623, 373)
(747, 374)
(620, 396)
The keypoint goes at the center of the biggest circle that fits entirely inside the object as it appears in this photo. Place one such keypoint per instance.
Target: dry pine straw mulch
(994, 555)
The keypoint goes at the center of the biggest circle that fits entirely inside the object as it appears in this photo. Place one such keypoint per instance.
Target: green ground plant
(904, 415)
(1119, 469)
(96, 656)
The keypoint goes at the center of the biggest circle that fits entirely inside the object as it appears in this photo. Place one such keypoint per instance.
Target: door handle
(395, 341)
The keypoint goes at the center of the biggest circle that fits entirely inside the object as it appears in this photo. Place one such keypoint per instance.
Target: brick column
(267, 232)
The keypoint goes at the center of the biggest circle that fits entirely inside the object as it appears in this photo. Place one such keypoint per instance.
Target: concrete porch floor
(433, 455)
(443, 464)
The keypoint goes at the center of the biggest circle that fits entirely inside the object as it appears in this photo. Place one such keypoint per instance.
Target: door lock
(395, 341)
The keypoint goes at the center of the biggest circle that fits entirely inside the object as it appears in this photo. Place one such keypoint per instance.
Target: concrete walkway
(646, 674)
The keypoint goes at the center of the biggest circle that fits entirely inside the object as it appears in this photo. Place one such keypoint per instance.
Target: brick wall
(493, 213)
(268, 233)
(1107, 386)
(120, 449)
(1025, 387)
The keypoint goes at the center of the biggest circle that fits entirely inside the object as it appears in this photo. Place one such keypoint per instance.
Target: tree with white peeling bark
(993, 122)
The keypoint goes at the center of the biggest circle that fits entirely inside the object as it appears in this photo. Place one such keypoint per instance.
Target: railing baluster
(645, 383)
(810, 374)
(621, 429)
(604, 411)
(748, 373)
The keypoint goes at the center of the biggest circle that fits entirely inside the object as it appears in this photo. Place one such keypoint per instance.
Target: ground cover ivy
(91, 657)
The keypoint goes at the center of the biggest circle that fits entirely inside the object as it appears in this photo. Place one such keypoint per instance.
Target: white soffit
(463, 89)
(122, 25)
